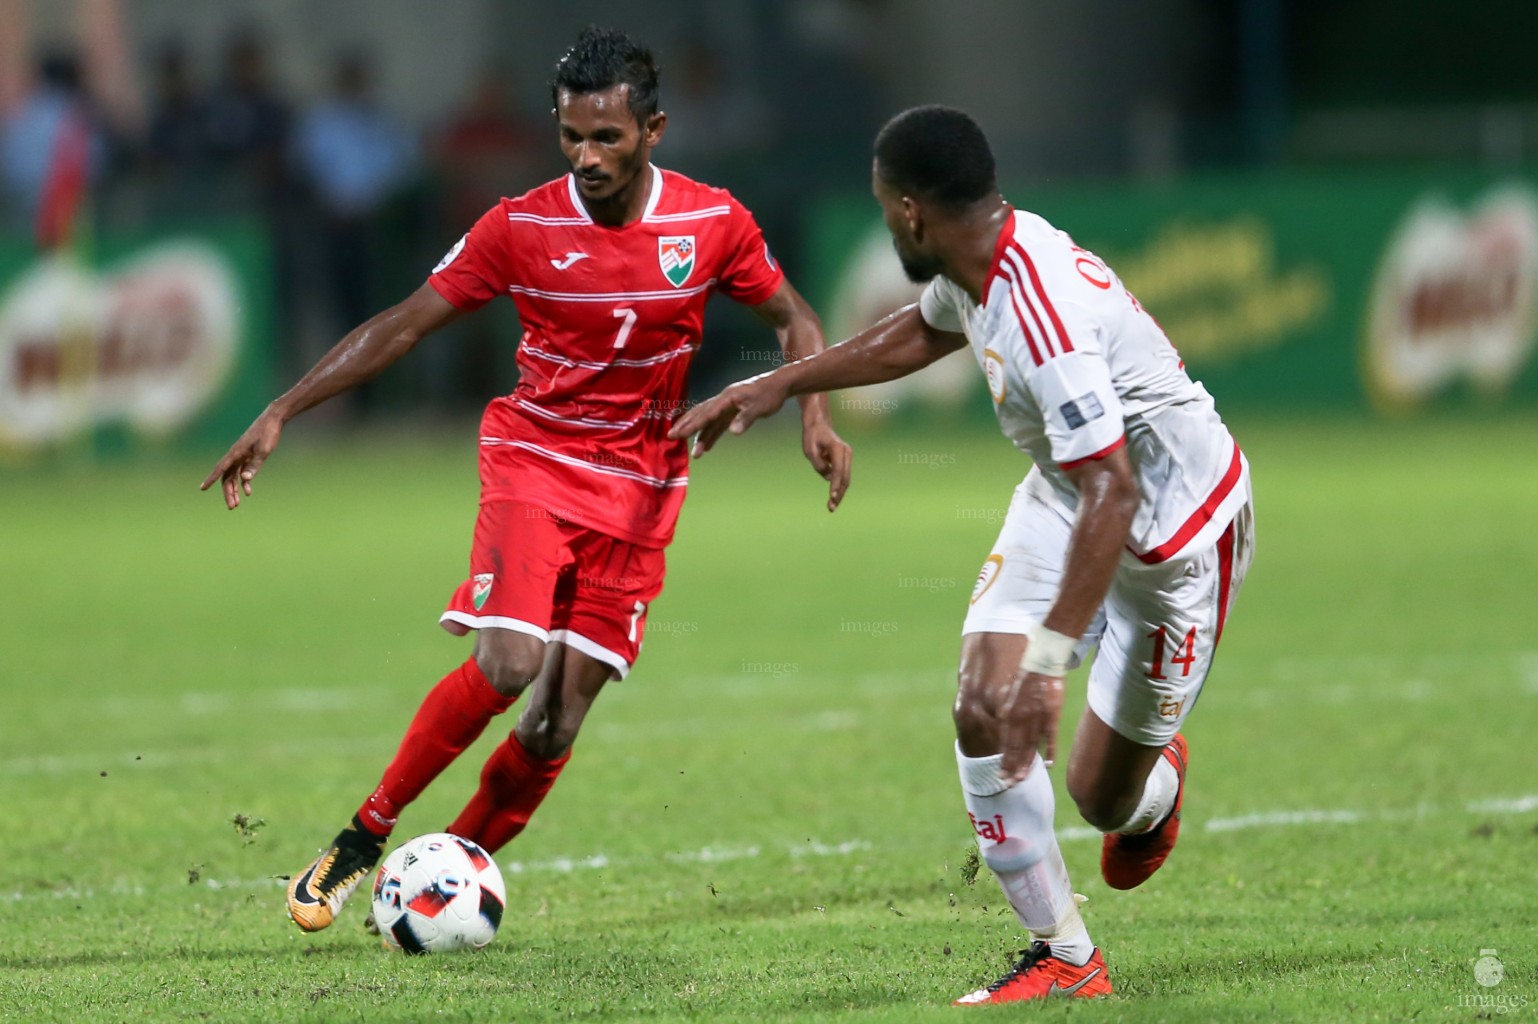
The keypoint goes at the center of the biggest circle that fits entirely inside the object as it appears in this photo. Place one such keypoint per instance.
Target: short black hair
(603, 58)
(938, 154)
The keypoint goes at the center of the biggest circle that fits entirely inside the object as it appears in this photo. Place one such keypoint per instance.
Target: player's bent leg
(523, 768)
(511, 660)
(451, 717)
(560, 702)
(1133, 793)
(988, 663)
(1016, 839)
(1107, 774)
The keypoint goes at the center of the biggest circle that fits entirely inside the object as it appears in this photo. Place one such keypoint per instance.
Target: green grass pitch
(764, 822)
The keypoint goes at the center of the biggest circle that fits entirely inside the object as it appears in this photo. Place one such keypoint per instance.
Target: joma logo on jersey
(675, 255)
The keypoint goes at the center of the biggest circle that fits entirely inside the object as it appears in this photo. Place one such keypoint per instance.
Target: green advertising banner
(1291, 291)
(154, 339)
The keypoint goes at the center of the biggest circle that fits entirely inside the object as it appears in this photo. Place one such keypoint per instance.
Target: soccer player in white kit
(1129, 537)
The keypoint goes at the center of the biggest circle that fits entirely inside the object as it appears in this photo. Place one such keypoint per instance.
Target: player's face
(903, 220)
(606, 147)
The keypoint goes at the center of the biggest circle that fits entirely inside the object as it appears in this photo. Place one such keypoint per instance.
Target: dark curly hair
(938, 154)
(603, 58)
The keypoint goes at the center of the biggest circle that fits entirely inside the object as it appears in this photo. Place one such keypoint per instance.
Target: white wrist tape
(1048, 652)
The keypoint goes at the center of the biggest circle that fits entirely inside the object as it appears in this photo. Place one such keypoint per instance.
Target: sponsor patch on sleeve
(1081, 410)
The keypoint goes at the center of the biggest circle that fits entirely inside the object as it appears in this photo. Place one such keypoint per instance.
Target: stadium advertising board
(149, 345)
(1285, 291)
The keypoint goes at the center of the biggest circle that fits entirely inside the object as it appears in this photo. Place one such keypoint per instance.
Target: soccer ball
(438, 893)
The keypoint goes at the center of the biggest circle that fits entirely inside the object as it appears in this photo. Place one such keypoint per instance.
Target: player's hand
(240, 464)
(1029, 714)
(734, 409)
(829, 455)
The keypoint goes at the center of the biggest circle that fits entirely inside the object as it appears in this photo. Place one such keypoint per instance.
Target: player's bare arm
(901, 344)
(362, 354)
(799, 333)
(1030, 709)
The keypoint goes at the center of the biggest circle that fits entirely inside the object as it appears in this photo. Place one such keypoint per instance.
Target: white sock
(1015, 837)
(1158, 798)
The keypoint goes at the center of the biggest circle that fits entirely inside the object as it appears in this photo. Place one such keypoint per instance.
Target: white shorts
(1157, 631)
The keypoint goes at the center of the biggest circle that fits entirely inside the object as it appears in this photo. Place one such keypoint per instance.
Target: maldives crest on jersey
(675, 254)
(480, 589)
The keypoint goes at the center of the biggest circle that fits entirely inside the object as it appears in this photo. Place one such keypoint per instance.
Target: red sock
(513, 785)
(452, 716)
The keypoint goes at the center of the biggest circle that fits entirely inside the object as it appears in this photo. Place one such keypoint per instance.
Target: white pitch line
(1519, 805)
(1274, 819)
(813, 848)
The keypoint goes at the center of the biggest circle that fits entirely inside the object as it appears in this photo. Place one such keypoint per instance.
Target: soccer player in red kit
(610, 267)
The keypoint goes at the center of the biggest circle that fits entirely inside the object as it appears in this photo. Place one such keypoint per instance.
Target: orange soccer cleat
(1041, 975)
(316, 896)
(1127, 861)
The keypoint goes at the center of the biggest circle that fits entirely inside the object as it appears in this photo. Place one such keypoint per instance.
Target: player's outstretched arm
(799, 333)
(901, 344)
(363, 353)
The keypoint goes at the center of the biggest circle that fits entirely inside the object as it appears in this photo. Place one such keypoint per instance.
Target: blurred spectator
(50, 148)
(827, 49)
(349, 150)
(178, 135)
(56, 116)
(487, 151)
(248, 120)
(713, 120)
(354, 158)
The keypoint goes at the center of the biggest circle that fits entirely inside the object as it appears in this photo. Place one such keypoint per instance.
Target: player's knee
(976, 725)
(547, 738)
(509, 670)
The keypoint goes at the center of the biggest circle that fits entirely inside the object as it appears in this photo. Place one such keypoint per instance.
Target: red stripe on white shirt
(1120, 442)
(1006, 234)
(1201, 517)
(1030, 267)
(1025, 327)
(1014, 273)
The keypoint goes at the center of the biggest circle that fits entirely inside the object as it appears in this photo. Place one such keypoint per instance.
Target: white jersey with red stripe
(612, 317)
(1078, 369)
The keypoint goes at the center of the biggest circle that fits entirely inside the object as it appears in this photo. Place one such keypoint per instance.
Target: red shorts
(548, 577)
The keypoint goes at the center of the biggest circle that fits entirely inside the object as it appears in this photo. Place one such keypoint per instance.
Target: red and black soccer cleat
(1041, 975)
(1127, 861)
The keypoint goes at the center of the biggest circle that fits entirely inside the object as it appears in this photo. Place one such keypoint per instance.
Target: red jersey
(612, 317)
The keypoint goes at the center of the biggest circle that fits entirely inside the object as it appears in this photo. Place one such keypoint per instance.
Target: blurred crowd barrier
(1288, 291)
(147, 338)
(1366, 292)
